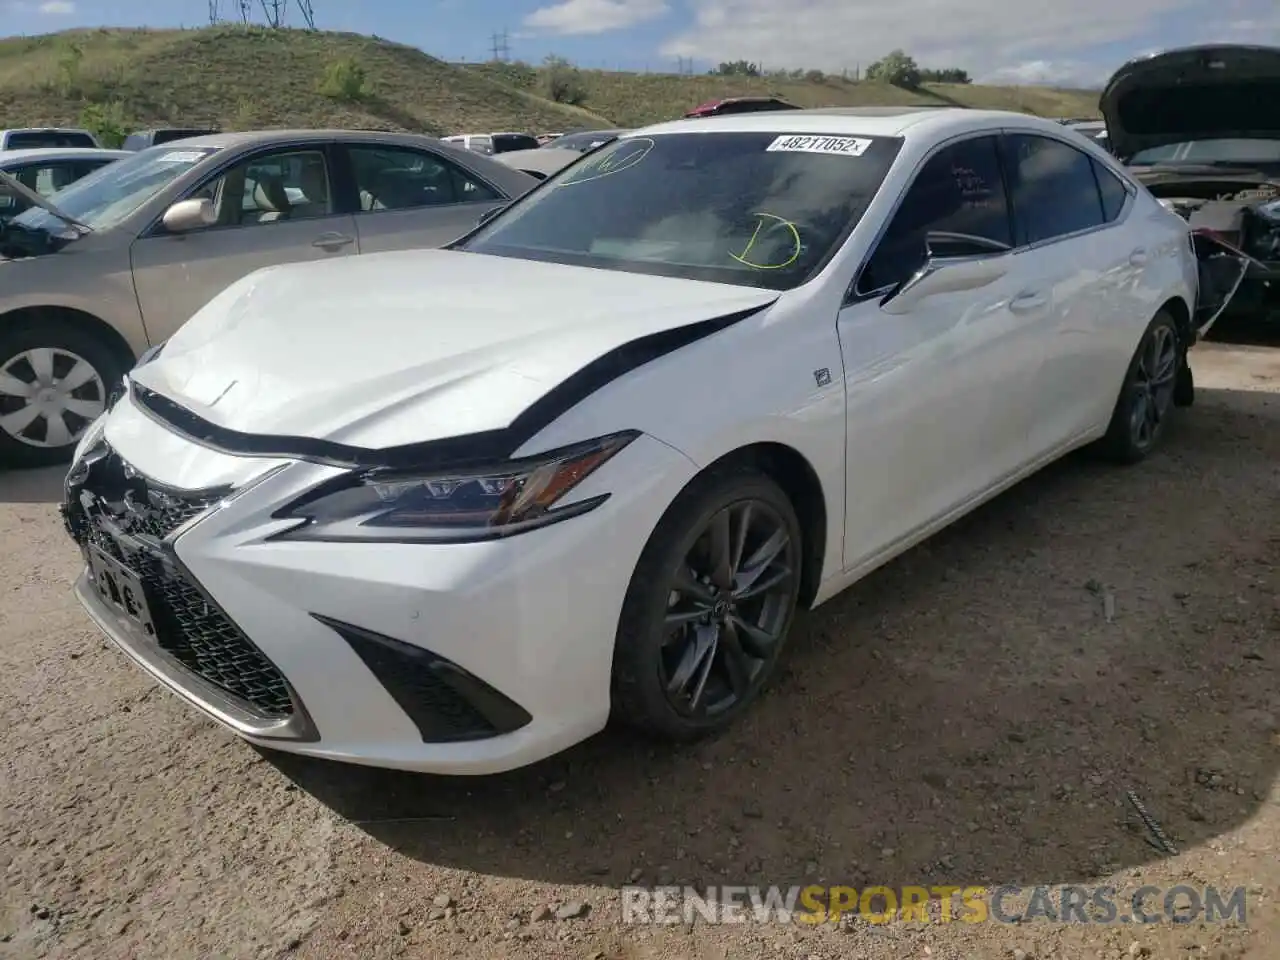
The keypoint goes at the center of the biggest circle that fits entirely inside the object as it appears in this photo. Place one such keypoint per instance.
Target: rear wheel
(709, 607)
(1147, 395)
(54, 381)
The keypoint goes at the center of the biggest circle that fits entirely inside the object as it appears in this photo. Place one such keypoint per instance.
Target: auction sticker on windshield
(184, 156)
(835, 146)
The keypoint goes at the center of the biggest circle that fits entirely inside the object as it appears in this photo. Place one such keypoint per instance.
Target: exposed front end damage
(1236, 235)
(1222, 272)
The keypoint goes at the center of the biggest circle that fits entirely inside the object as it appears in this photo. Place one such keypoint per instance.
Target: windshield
(107, 196)
(756, 209)
(1212, 151)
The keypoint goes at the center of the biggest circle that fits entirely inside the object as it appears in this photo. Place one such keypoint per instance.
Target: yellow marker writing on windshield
(777, 224)
(623, 156)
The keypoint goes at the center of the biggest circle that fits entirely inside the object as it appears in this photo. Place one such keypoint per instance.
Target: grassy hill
(631, 99)
(241, 78)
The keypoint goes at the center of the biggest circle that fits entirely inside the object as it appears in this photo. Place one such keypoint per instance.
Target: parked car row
(31, 138)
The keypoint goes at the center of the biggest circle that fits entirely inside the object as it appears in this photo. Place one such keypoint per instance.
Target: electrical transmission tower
(308, 11)
(274, 11)
(501, 49)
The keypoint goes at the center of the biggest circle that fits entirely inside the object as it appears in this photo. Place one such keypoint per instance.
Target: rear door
(275, 206)
(410, 198)
(1087, 262)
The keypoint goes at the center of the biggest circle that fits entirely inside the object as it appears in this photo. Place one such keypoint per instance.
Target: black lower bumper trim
(445, 702)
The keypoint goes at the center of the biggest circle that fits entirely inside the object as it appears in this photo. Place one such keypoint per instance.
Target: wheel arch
(1177, 308)
(79, 319)
(793, 472)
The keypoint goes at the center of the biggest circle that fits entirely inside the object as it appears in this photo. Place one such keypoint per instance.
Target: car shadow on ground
(974, 712)
(43, 485)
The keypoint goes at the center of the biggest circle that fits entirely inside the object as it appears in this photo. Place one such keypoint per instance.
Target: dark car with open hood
(1200, 128)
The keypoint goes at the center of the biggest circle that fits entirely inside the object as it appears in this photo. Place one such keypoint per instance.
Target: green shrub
(564, 82)
(345, 79)
(106, 121)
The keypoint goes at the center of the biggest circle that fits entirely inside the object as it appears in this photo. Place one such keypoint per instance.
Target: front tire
(55, 380)
(709, 606)
(1147, 395)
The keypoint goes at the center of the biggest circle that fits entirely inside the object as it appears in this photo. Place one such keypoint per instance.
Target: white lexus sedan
(451, 510)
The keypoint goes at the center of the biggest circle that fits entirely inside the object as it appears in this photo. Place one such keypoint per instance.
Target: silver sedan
(98, 273)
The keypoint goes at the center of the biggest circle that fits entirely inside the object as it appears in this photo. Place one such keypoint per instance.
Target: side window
(1053, 187)
(272, 188)
(11, 204)
(1112, 190)
(481, 145)
(51, 178)
(959, 191)
(394, 178)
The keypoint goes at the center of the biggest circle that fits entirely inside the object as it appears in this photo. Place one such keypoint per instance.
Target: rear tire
(55, 379)
(697, 639)
(1147, 394)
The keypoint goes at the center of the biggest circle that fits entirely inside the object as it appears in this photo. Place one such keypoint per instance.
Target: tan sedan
(115, 263)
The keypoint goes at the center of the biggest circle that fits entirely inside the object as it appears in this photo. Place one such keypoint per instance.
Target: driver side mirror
(187, 215)
(490, 214)
(955, 263)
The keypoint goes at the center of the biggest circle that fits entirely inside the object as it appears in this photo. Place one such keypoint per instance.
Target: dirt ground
(968, 715)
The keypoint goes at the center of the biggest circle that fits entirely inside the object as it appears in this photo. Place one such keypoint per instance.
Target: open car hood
(1193, 93)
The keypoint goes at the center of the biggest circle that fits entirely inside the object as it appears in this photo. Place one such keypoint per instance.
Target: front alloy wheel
(730, 600)
(709, 606)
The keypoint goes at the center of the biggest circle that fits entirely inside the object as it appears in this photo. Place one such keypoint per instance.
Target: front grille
(189, 626)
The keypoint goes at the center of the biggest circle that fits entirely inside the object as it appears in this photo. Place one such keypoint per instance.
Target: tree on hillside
(946, 75)
(564, 82)
(898, 69)
(738, 68)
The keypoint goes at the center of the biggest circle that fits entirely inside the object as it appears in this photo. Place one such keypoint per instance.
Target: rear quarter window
(1112, 190)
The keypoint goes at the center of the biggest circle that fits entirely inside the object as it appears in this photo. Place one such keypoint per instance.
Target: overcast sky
(1017, 41)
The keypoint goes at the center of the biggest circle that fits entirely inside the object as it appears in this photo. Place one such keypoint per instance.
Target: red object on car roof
(717, 108)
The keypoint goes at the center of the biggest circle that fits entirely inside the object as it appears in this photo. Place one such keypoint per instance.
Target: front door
(414, 199)
(937, 394)
(274, 207)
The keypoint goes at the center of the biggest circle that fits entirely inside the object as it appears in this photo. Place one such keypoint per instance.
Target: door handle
(332, 241)
(1138, 258)
(1026, 302)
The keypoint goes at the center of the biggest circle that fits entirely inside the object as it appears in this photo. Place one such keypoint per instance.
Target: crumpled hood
(1193, 93)
(405, 348)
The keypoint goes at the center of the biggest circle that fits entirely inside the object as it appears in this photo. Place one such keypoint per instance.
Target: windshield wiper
(36, 200)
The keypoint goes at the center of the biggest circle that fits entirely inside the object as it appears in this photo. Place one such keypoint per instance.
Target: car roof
(59, 153)
(266, 137)
(928, 122)
(44, 130)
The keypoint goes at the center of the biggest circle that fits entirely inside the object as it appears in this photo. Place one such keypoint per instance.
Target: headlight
(454, 506)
